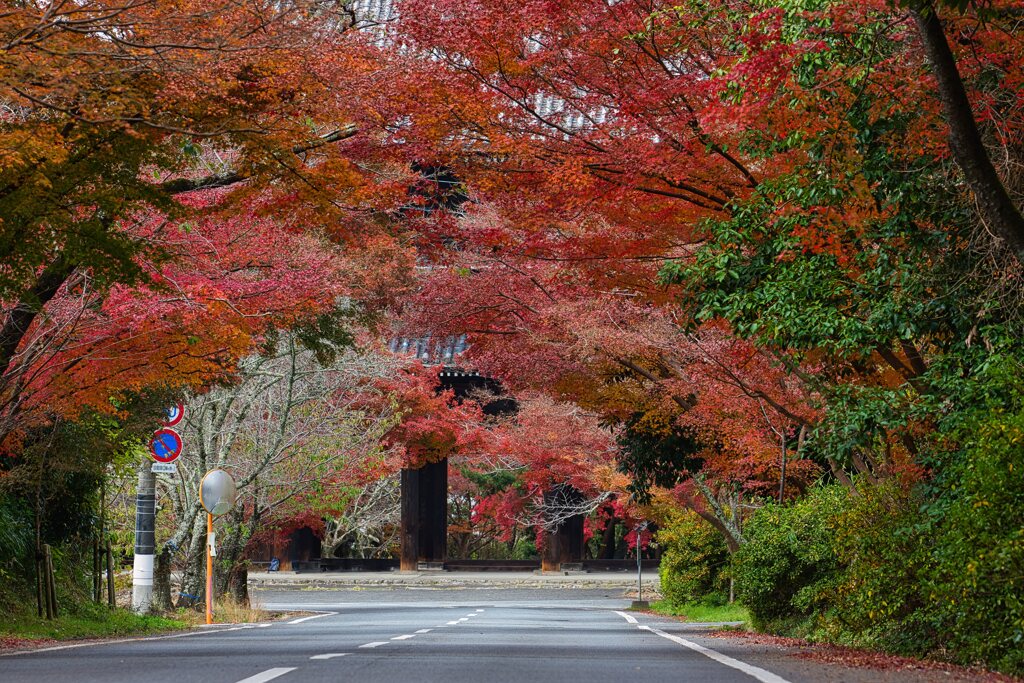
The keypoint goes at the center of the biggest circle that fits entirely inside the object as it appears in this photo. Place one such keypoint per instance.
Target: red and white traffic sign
(173, 415)
(165, 446)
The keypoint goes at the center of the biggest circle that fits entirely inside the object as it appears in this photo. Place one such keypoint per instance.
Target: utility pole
(145, 540)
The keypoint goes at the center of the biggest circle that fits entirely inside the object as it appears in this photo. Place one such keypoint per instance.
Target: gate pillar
(424, 526)
(563, 541)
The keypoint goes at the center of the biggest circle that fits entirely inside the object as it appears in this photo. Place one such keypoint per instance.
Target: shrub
(694, 564)
(16, 540)
(788, 561)
(883, 545)
(978, 589)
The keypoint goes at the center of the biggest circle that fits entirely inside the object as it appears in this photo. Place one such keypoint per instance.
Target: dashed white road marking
(479, 610)
(407, 636)
(331, 655)
(452, 623)
(755, 672)
(425, 630)
(315, 616)
(375, 644)
(268, 675)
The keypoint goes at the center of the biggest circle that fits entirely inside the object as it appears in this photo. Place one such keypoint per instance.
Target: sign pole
(639, 573)
(640, 603)
(217, 496)
(209, 568)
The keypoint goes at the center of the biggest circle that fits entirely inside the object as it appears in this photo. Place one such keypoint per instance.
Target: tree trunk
(162, 580)
(716, 517)
(20, 318)
(238, 583)
(995, 206)
(842, 476)
(608, 539)
(194, 579)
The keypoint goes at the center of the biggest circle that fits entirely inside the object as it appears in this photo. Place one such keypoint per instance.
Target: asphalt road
(456, 636)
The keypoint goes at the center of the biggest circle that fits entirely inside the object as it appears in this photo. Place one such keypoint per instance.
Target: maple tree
(613, 148)
(731, 248)
(292, 433)
(434, 423)
(159, 163)
(742, 230)
(545, 447)
(722, 405)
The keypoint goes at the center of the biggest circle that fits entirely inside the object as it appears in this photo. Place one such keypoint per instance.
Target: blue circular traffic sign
(173, 414)
(165, 446)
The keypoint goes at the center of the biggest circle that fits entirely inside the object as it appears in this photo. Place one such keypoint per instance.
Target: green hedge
(976, 591)
(789, 560)
(694, 561)
(934, 570)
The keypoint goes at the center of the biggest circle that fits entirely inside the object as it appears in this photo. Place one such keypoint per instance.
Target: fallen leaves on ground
(865, 659)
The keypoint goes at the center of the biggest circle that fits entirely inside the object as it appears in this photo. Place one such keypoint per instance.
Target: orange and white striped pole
(209, 568)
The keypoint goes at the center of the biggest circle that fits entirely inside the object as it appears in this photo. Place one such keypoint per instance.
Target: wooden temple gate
(424, 523)
(424, 518)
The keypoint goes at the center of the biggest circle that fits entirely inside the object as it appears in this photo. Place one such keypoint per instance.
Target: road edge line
(756, 672)
(120, 641)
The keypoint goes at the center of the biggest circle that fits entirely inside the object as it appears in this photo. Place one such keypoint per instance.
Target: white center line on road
(479, 610)
(405, 637)
(425, 630)
(331, 655)
(315, 616)
(268, 675)
(462, 619)
(630, 619)
(375, 644)
(452, 623)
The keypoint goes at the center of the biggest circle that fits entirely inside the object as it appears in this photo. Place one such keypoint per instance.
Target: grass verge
(81, 622)
(692, 612)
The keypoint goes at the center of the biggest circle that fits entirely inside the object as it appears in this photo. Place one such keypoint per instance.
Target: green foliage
(655, 459)
(694, 564)
(497, 481)
(884, 547)
(327, 335)
(15, 541)
(912, 570)
(788, 563)
(977, 589)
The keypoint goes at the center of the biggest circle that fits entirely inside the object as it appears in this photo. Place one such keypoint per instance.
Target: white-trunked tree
(292, 425)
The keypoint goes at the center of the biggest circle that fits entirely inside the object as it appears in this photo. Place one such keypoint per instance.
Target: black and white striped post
(164, 447)
(145, 540)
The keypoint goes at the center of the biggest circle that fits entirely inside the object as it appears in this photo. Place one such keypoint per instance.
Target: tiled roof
(430, 350)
